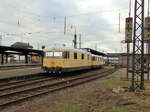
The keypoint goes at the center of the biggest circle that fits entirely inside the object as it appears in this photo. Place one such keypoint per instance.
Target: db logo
(52, 62)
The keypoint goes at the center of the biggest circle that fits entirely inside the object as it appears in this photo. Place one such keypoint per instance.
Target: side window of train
(68, 54)
(82, 56)
(65, 55)
(93, 58)
(75, 56)
(88, 57)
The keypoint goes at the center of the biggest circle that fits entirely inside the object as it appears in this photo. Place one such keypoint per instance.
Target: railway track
(23, 79)
(17, 93)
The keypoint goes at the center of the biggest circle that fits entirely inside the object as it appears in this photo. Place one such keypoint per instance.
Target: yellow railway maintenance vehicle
(97, 61)
(68, 60)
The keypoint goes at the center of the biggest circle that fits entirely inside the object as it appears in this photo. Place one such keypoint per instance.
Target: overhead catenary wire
(26, 7)
(38, 17)
(62, 16)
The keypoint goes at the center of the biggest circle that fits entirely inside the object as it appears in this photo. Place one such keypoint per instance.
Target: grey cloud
(37, 16)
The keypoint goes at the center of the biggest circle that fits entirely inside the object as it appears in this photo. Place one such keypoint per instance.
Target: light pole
(75, 37)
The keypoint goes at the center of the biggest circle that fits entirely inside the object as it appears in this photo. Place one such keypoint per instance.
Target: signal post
(128, 40)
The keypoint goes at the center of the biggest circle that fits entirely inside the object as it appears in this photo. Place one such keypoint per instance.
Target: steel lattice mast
(138, 46)
(148, 48)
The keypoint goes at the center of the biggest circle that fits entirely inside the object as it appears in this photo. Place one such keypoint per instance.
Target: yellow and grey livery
(68, 60)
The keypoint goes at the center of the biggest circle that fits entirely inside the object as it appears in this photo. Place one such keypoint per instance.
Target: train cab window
(58, 54)
(82, 56)
(75, 56)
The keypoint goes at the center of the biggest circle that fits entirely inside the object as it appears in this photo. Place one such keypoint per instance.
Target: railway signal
(128, 36)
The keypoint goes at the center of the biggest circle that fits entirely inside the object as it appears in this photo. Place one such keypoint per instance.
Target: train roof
(97, 55)
(68, 49)
(82, 50)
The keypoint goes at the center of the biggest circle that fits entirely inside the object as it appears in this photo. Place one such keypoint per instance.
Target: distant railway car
(36, 59)
(97, 61)
(67, 60)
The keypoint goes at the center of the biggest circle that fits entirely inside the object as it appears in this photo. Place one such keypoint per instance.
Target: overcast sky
(42, 21)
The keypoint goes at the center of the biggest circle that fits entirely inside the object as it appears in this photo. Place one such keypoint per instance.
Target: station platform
(16, 65)
(12, 73)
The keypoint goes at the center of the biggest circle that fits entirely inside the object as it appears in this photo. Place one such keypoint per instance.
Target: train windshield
(48, 54)
(56, 54)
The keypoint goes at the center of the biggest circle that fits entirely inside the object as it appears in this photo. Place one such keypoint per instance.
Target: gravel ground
(97, 96)
(40, 104)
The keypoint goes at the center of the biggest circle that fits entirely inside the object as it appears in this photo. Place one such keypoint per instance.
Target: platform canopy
(16, 50)
(6, 50)
(92, 51)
